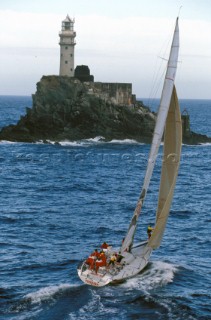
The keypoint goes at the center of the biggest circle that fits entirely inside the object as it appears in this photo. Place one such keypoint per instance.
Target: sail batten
(158, 133)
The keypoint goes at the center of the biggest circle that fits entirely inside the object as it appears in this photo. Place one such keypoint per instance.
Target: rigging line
(163, 58)
(156, 83)
(156, 78)
(179, 10)
(158, 66)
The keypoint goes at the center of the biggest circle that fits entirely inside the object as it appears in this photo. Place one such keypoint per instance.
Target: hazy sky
(120, 41)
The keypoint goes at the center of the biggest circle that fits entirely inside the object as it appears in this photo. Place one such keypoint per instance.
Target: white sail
(158, 133)
(170, 166)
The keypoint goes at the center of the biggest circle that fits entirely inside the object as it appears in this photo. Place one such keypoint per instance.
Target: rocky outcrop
(195, 138)
(190, 137)
(66, 109)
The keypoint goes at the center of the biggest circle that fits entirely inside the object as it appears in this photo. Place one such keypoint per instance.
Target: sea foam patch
(125, 141)
(91, 141)
(47, 293)
(158, 273)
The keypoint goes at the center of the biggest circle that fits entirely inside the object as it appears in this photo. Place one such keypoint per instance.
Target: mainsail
(158, 133)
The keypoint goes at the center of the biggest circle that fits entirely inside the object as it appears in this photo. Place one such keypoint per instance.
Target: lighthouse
(67, 44)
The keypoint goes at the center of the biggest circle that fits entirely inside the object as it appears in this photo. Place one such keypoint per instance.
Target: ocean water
(59, 202)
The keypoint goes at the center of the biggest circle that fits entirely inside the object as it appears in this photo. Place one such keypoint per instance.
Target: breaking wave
(47, 293)
(91, 141)
(157, 273)
(125, 141)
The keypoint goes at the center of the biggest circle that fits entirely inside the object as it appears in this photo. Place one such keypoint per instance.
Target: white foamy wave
(62, 143)
(47, 293)
(157, 274)
(46, 142)
(78, 143)
(125, 141)
(88, 142)
(67, 143)
(96, 139)
(41, 142)
(207, 144)
(7, 142)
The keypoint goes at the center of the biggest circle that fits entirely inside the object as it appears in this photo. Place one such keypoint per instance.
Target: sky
(120, 41)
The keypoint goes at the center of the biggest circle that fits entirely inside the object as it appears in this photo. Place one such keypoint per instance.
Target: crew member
(119, 257)
(112, 260)
(92, 258)
(104, 245)
(149, 231)
(101, 261)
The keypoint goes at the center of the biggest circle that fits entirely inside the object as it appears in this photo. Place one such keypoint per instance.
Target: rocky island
(66, 108)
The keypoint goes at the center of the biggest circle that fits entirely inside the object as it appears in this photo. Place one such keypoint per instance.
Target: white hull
(130, 265)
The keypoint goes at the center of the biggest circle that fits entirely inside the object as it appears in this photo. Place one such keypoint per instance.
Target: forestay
(158, 133)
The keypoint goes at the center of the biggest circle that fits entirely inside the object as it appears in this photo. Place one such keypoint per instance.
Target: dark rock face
(82, 73)
(64, 109)
(195, 138)
(190, 137)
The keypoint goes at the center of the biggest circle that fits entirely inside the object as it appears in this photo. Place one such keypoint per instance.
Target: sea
(58, 202)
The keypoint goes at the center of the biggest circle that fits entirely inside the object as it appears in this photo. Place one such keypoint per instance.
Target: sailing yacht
(134, 258)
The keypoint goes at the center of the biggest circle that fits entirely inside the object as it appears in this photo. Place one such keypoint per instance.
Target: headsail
(158, 133)
(170, 166)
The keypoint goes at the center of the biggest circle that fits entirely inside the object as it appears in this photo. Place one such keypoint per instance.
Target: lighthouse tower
(67, 44)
